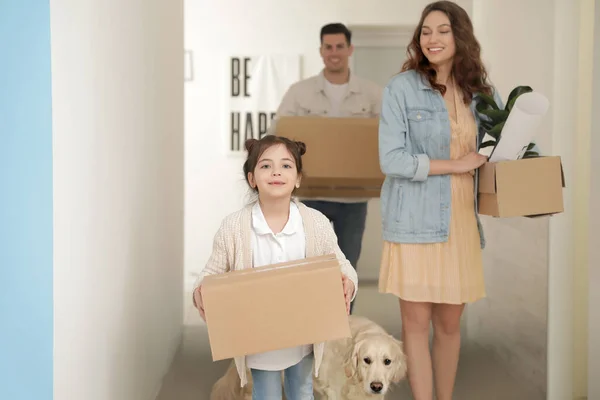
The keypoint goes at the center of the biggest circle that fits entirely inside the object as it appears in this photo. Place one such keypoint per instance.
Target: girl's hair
(467, 69)
(256, 148)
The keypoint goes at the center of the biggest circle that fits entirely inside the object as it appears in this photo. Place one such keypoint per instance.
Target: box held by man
(342, 155)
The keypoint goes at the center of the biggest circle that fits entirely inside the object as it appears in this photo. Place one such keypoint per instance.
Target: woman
(428, 141)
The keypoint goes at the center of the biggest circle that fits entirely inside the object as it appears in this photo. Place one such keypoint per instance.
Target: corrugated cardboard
(275, 307)
(528, 187)
(342, 155)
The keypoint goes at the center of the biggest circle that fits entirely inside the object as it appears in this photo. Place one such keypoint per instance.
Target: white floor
(480, 376)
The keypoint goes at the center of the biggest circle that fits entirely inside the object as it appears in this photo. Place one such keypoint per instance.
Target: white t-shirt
(335, 94)
(269, 248)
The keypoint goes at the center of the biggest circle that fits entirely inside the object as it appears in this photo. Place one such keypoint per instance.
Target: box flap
(337, 192)
(487, 178)
(488, 204)
(282, 268)
(562, 175)
(341, 183)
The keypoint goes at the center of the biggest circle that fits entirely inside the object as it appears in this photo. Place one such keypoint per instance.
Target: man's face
(335, 52)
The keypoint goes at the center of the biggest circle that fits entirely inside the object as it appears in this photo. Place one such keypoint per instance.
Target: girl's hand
(348, 291)
(198, 302)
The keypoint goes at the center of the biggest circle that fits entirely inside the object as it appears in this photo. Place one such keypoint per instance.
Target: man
(336, 92)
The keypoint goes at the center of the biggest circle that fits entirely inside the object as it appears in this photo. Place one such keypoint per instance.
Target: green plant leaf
(530, 154)
(530, 146)
(497, 116)
(496, 130)
(495, 113)
(514, 94)
(487, 143)
(489, 100)
(481, 106)
(486, 125)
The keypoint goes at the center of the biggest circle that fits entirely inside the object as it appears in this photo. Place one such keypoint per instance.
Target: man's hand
(198, 302)
(348, 291)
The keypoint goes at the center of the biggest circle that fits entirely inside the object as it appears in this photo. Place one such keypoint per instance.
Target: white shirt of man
(336, 94)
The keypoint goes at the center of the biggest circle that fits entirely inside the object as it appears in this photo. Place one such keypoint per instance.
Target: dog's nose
(376, 387)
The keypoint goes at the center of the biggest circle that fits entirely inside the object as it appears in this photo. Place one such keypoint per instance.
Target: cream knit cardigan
(232, 250)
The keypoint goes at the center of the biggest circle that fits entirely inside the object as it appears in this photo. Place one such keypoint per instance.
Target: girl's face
(276, 174)
(437, 39)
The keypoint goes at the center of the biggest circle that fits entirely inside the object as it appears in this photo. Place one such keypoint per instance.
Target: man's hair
(336, 28)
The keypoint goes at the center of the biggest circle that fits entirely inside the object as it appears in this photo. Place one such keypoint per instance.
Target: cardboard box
(342, 155)
(275, 307)
(527, 187)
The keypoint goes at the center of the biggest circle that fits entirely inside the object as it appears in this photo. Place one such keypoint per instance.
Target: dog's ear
(400, 366)
(351, 363)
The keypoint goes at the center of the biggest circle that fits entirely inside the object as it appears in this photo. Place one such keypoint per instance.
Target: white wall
(512, 320)
(538, 46)
(561, 244)
(216, 30)
(594, 225)
(117, 75)
(581, 199)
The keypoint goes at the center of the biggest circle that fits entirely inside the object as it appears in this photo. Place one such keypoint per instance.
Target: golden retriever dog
(228, 386)
(361, 367)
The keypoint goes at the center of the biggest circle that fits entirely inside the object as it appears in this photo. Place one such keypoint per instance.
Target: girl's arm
(218, 262)
(331, 247)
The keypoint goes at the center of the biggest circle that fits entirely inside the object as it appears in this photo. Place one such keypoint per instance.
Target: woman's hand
(471, 162)
(198, 302)
(466, 164)
(348, 291)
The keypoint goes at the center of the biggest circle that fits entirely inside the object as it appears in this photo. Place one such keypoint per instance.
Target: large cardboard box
(528, 187)
(275, 307)
(342, 155)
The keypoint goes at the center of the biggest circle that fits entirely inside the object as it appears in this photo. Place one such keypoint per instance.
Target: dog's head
(376, 361)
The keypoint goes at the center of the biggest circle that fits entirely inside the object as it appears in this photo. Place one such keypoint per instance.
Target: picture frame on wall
(255, 85)
(188, 66)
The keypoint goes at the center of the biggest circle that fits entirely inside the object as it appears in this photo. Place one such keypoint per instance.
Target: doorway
(379, 52)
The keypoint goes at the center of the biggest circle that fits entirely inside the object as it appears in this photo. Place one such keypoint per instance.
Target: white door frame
(594, 224)
(380, 36)
(373, 36)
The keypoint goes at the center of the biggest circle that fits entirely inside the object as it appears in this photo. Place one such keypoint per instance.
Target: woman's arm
(443, 167)
(469, 162)
(396, 161)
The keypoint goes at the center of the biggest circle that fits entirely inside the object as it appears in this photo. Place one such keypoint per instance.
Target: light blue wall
(26, 315)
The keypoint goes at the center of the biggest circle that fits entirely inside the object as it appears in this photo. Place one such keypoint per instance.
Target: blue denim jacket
(414, 128)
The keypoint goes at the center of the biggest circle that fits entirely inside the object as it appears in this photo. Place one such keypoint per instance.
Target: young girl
(276, 228)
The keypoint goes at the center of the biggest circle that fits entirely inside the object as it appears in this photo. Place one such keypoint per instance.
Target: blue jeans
(349, 221)
(298, 382)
